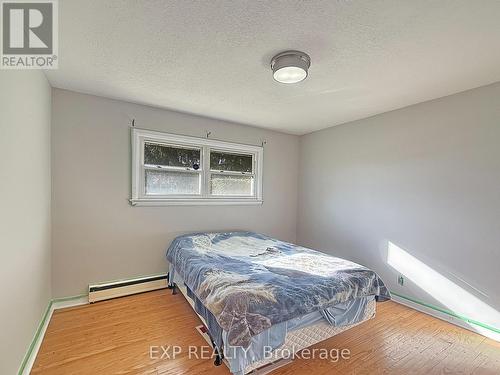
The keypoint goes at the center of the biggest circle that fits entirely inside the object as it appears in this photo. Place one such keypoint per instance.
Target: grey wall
(25, 210)
(98, 236)
(426, 177)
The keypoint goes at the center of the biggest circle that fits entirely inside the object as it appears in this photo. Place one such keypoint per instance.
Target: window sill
(194, 202)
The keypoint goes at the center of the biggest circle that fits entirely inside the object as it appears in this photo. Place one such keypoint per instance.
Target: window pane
(231, 185)
(169, 156)
(223, 161)
(167, 182)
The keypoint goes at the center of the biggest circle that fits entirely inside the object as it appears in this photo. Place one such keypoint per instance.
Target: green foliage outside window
(168, 156)
(222, 161)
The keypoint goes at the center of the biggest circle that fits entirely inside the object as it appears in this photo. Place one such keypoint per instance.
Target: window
(173, 169)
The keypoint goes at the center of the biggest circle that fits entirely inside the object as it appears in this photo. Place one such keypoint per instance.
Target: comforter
(249, 281)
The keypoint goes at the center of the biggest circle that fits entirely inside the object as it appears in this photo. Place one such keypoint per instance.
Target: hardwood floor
(114, 337)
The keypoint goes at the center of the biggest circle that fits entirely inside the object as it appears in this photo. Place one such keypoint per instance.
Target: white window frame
(139, 196)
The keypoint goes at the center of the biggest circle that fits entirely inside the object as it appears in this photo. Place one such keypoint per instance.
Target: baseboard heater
(114, 289)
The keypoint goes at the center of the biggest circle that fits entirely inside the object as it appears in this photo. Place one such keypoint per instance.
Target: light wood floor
(114, 337)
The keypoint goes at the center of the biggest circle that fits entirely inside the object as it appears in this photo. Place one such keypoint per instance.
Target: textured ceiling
(212, 57)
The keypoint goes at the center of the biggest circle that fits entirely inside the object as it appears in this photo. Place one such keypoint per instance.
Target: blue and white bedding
(238, 358)
(245, 282)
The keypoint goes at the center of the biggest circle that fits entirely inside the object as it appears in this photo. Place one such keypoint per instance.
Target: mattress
(295, 340)
(243, 283)
(311, 335)
(254, 293)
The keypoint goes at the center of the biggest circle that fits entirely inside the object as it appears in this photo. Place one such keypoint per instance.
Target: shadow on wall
(460, 302)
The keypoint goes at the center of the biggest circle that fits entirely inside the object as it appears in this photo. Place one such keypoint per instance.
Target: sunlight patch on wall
(454, 297)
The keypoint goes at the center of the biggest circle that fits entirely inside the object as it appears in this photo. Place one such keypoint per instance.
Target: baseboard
(57, 303)
(125, 287)
(60, 303)
(447, 316)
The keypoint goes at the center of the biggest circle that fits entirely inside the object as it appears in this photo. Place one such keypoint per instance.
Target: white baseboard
(446, 317)
(28, 364)
(60, 303)
(63, 302)
(55, 304)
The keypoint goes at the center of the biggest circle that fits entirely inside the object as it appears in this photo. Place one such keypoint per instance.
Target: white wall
(427, 178)
(25, 210)
(98, 236)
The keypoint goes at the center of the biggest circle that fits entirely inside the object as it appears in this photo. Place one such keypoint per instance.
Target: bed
(257, 295)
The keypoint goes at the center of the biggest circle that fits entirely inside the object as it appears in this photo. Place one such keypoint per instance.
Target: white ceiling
(212, 57)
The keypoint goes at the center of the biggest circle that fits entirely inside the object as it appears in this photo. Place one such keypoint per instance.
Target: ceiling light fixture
(290, 66)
